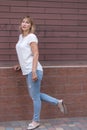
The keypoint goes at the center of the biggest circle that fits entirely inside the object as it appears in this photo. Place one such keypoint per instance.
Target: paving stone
(17, 128)
(9, 128)
(59, 129)
(50, 128)
(67, 127)
(79, 123)
(41, 129)
(71, 125)
(2, 128)
(47, 124)
(42, 126)
(76, 128)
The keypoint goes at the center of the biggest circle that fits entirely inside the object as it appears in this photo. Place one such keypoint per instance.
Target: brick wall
(61, 28)
(69, 83)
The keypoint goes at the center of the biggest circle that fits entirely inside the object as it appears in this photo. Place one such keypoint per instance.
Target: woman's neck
(25, 33)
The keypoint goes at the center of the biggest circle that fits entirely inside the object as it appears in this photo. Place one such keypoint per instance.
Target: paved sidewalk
(79, 123)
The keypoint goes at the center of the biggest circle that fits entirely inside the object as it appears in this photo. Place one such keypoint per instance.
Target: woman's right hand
(34, 76)
(17, 67)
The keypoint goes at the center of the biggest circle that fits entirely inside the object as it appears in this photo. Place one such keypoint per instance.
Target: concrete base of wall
(66, 82)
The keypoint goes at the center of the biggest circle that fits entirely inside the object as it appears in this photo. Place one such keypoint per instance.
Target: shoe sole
(64, 108)
(33, 127)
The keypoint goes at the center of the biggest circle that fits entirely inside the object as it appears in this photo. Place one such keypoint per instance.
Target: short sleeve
(20, 36)
(32, 38)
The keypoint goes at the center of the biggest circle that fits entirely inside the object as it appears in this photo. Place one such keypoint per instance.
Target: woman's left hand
(16, 67)
(34, 76)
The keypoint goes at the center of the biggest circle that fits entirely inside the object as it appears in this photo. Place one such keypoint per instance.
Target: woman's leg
(34, 90)
(50, 99)
(60, 104)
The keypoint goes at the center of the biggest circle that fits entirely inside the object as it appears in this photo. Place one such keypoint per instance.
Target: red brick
(68, 83)
(82, 5)
(72, 5)
(4, 8)
(45, 4)
(59, 23)
(60, 57)
(17, 3)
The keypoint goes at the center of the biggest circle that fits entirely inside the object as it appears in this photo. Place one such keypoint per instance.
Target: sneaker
(62, 107)
(32, 126)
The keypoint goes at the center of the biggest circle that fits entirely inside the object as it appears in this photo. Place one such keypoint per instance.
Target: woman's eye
(27, 22)
(23, 21)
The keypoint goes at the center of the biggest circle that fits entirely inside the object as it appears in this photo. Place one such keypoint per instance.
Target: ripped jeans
(36, 95)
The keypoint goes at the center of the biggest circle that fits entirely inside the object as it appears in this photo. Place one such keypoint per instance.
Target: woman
(28, 54)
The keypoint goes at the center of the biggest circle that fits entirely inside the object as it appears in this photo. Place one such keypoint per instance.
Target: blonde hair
(32, 29)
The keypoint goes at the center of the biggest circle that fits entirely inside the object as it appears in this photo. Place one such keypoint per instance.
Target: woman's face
(25, 25)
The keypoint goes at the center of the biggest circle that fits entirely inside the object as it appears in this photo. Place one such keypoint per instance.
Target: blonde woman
(28, 55)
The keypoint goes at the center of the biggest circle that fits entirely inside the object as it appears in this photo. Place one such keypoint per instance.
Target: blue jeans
(36, 95)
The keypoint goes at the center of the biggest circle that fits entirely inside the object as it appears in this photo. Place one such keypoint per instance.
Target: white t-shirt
(24, 53)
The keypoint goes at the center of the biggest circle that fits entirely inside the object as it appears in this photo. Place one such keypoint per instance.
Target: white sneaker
(32, 126)
(62, 107)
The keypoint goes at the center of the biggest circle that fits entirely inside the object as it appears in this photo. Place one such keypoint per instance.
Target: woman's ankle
(35, 122)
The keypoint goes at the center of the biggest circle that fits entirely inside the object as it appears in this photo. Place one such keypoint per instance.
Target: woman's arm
(17, 67)
(35, 51)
